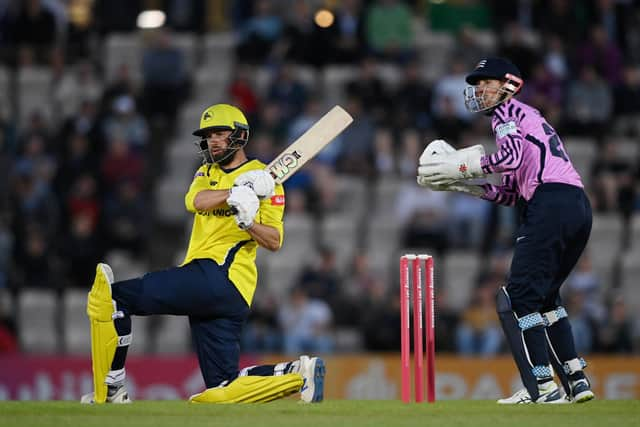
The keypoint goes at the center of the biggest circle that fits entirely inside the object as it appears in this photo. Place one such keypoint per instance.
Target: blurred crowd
(79, 181)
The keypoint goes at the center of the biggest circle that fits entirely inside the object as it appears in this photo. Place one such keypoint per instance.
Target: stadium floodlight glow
(151, 19)
(324, 18)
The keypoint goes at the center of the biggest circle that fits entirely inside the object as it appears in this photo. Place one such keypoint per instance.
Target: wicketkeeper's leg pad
(104, 338)
(251, 389)
(513, 328)
(551, 318)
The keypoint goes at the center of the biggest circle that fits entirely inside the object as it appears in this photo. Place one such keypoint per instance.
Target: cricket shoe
(518, 398)
(550, 393)
(117, 395)
(312, 370)
(581, 391)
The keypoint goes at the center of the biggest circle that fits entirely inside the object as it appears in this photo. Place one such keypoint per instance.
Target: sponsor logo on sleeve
(505, 129)
(277, 200)
(199, 173)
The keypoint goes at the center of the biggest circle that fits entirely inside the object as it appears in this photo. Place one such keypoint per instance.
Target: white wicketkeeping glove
(434, 149)
(259, 181)
(448, 168)
(461, 187)
(245, 203)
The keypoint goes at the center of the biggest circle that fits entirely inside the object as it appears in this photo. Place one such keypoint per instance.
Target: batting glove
(259, 181)
(245, 204)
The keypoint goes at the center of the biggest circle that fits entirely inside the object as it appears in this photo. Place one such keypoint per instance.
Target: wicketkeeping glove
(461, 187)
(435, 148)
(245, 204)
(259, 181)
(447, 168)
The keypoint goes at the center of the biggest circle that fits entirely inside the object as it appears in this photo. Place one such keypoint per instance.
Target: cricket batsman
(237, 207)
(556, 223)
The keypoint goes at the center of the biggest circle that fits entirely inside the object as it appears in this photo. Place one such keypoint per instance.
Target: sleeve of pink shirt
(507, 158)
(505, 194)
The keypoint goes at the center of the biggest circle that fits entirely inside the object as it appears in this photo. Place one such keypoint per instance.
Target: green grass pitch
(336, 413)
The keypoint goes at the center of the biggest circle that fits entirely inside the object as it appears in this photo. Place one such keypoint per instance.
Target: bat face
(309, 144)
(285, 164)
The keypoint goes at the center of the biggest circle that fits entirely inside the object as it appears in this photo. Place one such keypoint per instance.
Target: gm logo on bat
(286, 164)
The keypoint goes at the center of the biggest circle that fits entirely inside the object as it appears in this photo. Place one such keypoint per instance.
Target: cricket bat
(309, 144)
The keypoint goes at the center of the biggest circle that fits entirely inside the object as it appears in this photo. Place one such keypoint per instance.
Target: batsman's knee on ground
(251, 389)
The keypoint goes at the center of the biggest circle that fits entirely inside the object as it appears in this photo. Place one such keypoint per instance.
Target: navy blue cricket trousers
(202, 291)
(553, 234)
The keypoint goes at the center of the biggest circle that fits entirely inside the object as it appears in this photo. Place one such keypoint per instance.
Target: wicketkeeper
(556, 223)
(237, 207)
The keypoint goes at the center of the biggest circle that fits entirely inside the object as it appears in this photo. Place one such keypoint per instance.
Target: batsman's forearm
(266, 236)
(209, 199)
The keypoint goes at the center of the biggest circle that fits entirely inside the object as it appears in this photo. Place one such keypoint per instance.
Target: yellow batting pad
(104, 338)
(99, 302)
(251, 389)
